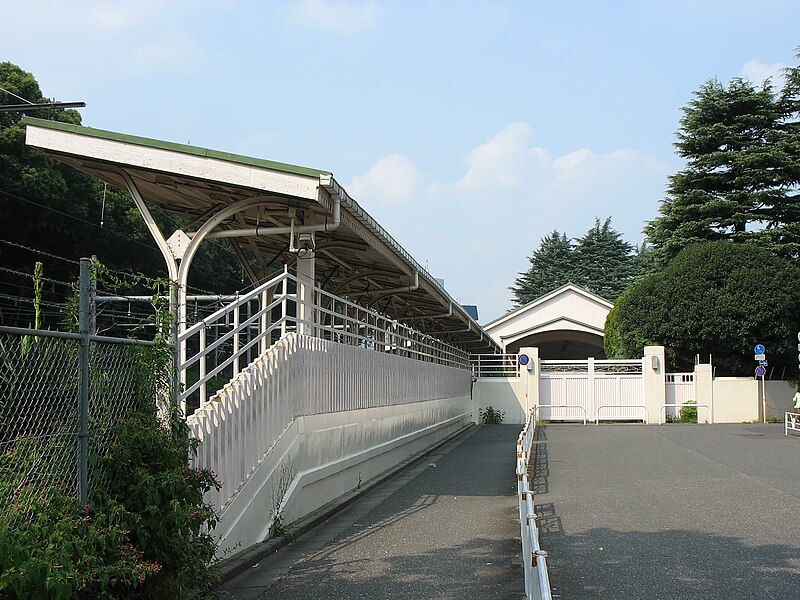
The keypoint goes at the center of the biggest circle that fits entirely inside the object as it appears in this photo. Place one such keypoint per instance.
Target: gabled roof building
(567, 323)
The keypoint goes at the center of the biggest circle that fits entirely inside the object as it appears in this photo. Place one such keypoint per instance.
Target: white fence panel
(622, 395)
(679, 390)
(562, 394)
(608, 390)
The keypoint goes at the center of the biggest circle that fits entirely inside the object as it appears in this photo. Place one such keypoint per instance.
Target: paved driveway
(674, 511)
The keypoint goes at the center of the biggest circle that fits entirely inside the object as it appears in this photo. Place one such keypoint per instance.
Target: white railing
(215, 349)
(791, 422)
(534, 559)
(605, 366)
(303, 375)
(580, 407)
(495, 365)
(598, 418)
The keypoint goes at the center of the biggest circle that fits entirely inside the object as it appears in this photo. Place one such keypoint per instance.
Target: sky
(468, 129)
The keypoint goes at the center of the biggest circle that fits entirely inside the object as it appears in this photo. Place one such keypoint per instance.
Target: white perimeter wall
(501, 393)
(738, 399)
(732, 399)
(325, 413)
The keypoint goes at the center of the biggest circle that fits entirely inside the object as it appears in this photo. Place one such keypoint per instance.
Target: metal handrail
(642, 406)
(676, 405)
(534, 559)
(495, 365)
(281, 310)
(791, 422)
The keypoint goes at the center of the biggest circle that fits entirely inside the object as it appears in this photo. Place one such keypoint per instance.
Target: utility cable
(42, 252)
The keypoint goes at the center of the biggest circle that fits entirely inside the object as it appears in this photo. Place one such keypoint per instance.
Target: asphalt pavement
(446, 527)
(673, 511)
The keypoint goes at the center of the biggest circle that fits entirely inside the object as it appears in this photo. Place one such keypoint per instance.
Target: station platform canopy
(265, 206)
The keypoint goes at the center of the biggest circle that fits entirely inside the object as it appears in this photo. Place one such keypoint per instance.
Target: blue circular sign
(523, 359)
(759, 349)
(760, 371)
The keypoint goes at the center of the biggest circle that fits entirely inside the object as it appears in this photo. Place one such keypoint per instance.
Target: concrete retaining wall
(320, 458)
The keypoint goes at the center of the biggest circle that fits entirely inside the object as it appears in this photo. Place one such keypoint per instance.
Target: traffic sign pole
(761, 357)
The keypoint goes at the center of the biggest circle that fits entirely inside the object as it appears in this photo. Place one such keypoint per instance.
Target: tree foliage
(600, 261)
(55, 208)
(604, 263)
(717, 299)
(741, 143)
(552, 265)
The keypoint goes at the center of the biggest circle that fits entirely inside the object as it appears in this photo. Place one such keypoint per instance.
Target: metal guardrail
(681, 404)
(791, 422)
(215, 349)
(495, 365)
(534, 559)
(642, 406)
(579, 406)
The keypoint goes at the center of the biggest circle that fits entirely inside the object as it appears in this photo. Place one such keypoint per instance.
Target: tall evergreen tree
(600, 261)
(604, 263)
(551, 266)
(742, 154)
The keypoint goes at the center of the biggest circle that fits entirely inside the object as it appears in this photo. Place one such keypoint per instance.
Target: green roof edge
(174, 147)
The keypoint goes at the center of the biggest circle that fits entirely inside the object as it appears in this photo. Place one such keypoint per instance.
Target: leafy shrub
(490, 416)
(701, 303)
(144, 534)
(687, 414)
(52, 547)
(168, 520)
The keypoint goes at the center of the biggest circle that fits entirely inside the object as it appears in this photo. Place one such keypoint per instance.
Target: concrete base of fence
(320, 458)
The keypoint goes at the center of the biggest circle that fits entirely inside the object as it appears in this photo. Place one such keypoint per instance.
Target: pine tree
(552, 265)
(604, 263)
(600, 261)
(742, 154)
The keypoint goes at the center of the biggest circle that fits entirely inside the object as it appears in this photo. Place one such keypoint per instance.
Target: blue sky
(468, 129)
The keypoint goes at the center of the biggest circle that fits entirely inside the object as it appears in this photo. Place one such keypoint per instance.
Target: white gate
(596, 390)
(680, 390)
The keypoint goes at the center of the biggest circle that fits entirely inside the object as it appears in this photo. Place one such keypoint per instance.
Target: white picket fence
(305, 375)
(597, 390)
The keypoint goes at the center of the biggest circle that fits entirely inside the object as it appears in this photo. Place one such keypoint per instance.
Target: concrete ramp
(449, 531)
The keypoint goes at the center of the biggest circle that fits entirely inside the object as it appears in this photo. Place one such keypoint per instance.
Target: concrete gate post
(530, 380)
(655, 381)
(704, 392)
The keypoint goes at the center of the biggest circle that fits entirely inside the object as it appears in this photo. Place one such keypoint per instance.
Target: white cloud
(391, 180)
(502, 162)
(337, 16)
(511, 194)
(757, 72)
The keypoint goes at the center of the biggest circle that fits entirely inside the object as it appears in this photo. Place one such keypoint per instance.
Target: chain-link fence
(58, 409)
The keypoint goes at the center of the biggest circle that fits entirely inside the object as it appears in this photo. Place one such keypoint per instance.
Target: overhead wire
(42, 252)
(153, 248)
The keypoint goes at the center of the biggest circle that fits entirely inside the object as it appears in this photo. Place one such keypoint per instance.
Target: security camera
(305, 241)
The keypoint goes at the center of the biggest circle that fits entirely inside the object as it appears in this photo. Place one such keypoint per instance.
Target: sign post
(761, 370)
